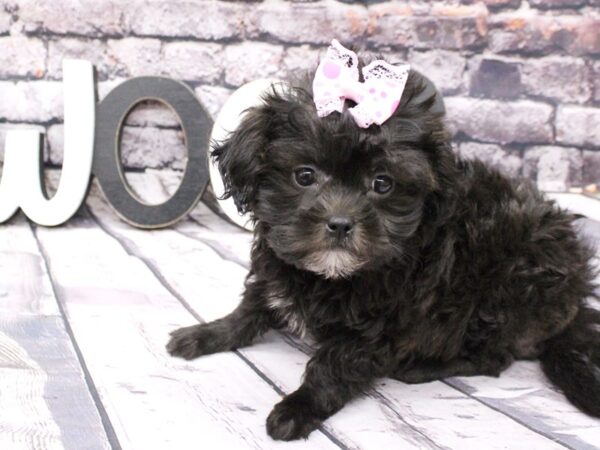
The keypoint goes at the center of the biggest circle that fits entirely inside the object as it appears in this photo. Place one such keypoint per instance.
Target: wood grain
(523, 393)
(44, 398)
(24, 285)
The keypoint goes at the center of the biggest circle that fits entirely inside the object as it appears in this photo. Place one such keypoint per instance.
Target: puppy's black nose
(339, 227)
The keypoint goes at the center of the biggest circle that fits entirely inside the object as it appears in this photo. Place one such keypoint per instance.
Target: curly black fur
(456, 271)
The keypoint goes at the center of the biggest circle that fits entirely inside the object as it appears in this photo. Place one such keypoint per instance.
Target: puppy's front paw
(191, 342)
(291, 419)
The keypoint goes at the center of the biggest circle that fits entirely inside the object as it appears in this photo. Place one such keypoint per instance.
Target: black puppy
(400, 259)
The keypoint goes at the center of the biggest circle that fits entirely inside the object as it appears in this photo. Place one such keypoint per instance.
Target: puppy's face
(330, 197)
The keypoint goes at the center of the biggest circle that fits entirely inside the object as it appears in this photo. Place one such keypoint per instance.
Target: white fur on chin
(333, 263)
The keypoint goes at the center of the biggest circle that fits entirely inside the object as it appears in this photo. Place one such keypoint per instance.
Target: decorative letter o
(229, 117)
(196, 124)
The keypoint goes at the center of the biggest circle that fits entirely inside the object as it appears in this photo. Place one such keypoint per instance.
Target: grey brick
(496, 4)
(553, 77)
(6, 127)
(315, 23)
(392, 25)
(93, 50)
(252, 60)
(213, 98)
(528, 33)
(494, 77)
(596, 78)
(186, 19)
(22, 56)
(521, 121)
(56, 142)
(152, 113)
(444, 68)
(135, 57)
(82, 17)
(508, 162)
(104, 87)
(553, 168)
(578, 125)
(299, 60)
(550, 4)
(5, 22)
(591, 167)
(556, 77)
(156, 148)
(439, 25)
(198, 61)
(392, 55)
(31, 101)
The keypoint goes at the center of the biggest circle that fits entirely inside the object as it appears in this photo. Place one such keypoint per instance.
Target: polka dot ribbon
(337, 79)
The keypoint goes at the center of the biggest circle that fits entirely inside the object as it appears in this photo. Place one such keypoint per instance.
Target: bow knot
(337, 79)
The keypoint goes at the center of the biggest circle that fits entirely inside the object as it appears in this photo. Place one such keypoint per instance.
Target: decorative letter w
(22, 184)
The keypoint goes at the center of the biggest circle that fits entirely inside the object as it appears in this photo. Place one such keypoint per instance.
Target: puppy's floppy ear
(241, 157)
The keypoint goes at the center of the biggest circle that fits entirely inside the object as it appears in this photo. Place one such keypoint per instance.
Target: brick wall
(521, 78)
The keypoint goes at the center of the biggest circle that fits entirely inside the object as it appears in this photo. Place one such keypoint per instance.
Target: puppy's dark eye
(382, 184)
(305, 176)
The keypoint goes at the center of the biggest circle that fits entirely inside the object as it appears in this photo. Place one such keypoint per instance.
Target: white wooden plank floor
(86, 310)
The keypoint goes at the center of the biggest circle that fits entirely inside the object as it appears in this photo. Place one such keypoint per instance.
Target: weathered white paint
(44, 399)
(25, 417)
(24, 285)
(524, 393)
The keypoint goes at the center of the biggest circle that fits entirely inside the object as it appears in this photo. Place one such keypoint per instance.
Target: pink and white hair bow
(337, 79)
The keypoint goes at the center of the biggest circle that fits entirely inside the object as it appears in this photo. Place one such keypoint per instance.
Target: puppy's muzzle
(340, 227)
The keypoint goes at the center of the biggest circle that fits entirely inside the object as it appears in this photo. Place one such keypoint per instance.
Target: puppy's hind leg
(426, 371)
(235, 330)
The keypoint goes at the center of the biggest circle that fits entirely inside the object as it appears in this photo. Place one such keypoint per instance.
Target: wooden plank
(522, 392)
(579, 204)
(44, 401)
(44, 398)
(121, 315)
(390, 421)
(24, 286)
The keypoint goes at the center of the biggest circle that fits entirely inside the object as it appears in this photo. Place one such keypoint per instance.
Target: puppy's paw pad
(289, 421)
(185, 343)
